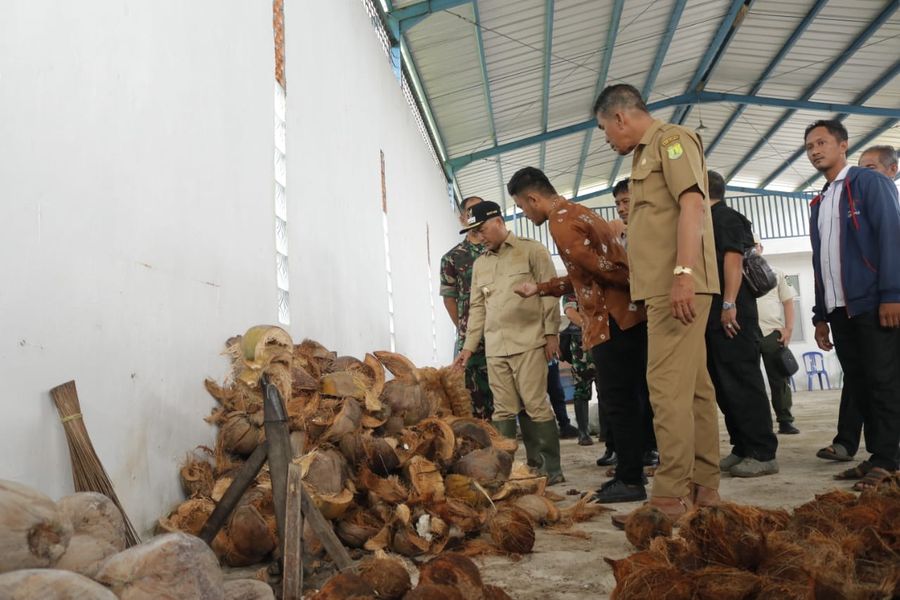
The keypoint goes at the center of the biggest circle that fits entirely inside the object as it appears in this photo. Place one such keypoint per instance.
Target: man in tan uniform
(672, 257)
(521, 335)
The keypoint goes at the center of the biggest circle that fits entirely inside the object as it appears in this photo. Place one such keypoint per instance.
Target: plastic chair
(815, 365)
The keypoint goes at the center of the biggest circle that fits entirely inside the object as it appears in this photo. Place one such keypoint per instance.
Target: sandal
(873, 479)
(857, 472)
(834, 452)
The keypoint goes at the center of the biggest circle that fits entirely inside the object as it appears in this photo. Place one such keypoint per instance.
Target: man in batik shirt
(456, 279)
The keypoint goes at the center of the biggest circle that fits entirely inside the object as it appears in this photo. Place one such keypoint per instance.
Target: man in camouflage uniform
(583, 371)
(456, 279)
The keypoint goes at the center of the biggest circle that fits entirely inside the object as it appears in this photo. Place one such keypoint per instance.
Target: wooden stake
(324, 532)
(292, 574)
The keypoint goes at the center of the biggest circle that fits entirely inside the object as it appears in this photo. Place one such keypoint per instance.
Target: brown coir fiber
(661, 582)
(454, 570)
(388, 577)
(512, 530)
(725, 534)
(646, 523)
(724, 583)
(345, 586)
(431, 591)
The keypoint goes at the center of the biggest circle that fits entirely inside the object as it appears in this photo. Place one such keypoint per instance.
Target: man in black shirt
(732, 342)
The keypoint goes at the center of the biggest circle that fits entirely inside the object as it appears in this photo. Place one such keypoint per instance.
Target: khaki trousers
(685, 416)
(520, 381)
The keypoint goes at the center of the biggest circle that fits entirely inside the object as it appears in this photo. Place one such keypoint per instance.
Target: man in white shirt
(776, 322)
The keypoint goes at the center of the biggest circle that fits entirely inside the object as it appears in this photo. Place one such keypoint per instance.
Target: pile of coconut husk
(449, 576)
(389, 452)
(839, 545)
(74, 549)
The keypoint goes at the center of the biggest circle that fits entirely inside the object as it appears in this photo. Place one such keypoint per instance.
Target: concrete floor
(567, 568)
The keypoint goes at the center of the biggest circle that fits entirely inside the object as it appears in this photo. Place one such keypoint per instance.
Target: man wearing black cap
(520, 335)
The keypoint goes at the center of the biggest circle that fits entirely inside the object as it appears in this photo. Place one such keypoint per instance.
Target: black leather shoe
(619, 491)
(585, 440)
(651, 458)
(787, 428)
(608, 459)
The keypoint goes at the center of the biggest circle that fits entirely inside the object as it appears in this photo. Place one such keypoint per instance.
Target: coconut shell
(325, 471)
(460, 514)
(432, 591)
(373, 394)
(471, 434)
(489, 467)
(390, 489)
(467, 490)
(51, 584)
(344, 384)
(512, 530)
(357, 526)
(454, 570)
(436, 440)
(430, 381)
(539, 509)
(381, 456)
(388, 577)
(34, 532)
(454, 383)
(346, 421)
(646, 523)
(407, 542)
(95, 515)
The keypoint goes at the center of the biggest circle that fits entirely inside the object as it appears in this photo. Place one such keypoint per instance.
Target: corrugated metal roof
(478, 106)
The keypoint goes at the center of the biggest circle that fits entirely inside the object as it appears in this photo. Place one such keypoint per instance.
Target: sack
(758, 274)
(785, 362)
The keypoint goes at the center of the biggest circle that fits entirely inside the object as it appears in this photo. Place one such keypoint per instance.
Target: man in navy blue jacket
(855, 234)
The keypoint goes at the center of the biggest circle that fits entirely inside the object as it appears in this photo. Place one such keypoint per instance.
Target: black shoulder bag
(758, 274)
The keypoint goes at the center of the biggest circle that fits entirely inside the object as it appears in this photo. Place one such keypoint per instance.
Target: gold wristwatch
(679, 270)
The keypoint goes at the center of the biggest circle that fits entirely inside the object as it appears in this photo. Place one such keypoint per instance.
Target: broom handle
(242, 480)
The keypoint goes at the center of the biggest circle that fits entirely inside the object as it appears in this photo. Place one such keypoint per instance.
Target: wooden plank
(322, 528)
(292, 574)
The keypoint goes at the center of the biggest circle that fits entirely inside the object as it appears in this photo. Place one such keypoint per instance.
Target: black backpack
(758, 274)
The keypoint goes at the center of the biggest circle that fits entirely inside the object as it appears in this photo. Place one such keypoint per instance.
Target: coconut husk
(512, 530)
(351, 363)
(522, 481)
(407, 401)
(538, 508)
(454, 570)
(189, 516)
(265, 348)
(646, 523)
(501, 442)
(381, 455)
(34, 532)
(471, 434)
(638, 561)
(380, 540)
(94, 514)
(325, 470)
(677, 552)
(489, 467)
(344, 384)
(726, 534)
(660, 582)
(582, 510)
(492, 592)
(429, 380)
(783, 560)
(786, 590)
(425, 480)
(398, 365)
(241, 432)
(458, 396)
(250, 529)
(373, 393)
(389, 489)
(725, 583)
(436, 440)
(196, 473)
(345, 422)
(459, 514)
(345, 586)
(467, 490)
(432, 591)
(357, 526)
(388, 577)
(407, 542)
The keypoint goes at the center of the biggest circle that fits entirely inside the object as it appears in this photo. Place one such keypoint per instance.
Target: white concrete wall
(345, 107)
(137, 224)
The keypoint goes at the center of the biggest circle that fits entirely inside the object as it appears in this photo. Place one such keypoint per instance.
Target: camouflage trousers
(477, 384)
(583, 372)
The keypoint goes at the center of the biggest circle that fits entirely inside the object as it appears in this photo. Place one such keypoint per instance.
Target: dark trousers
(850, 422)
(869, 357)
(557, 394)
(733, 366)
(778, 383)
(621, 365)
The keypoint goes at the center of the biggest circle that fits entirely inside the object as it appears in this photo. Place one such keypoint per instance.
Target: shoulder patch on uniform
(674, 151)
(672, 138)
